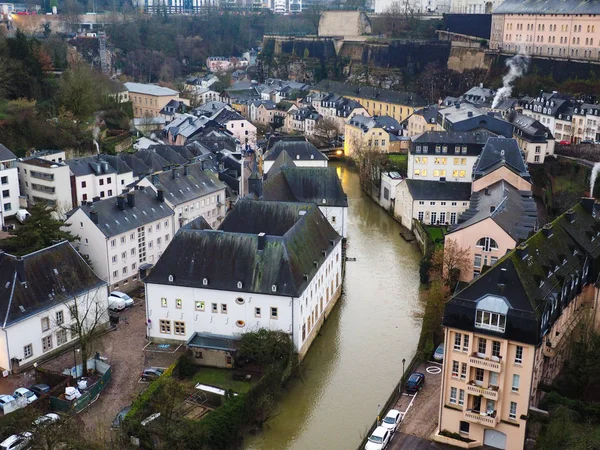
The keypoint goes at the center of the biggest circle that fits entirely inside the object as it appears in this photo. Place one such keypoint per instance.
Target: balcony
(485, 363)
(488, 420)
(490, 392)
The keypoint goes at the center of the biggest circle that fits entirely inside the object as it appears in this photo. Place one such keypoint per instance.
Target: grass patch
(436, 234)
(222, 378)
(398, 159)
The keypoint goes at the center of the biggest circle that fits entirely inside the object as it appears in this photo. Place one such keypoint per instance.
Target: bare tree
(71, 12)
(68, 433)
(369, 160)
(327, 128)
(399, 17)
(88, 314)
(449, 262)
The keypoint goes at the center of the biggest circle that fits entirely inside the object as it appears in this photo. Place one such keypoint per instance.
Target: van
(116, 303)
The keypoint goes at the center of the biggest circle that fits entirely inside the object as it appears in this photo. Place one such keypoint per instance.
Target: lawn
(398, 160)
(222, 378)
(436, 234)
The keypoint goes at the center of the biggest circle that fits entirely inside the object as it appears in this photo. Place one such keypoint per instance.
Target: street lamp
(403, 373)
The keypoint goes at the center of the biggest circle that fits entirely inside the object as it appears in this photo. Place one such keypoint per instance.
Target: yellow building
(378, 133)
(150, 99)
(510, 330)
(423, 120)
(377, 102)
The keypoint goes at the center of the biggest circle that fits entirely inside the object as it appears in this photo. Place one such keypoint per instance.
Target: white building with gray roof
(9, 184)
(120, 234)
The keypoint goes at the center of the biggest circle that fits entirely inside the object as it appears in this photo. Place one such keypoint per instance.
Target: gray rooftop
(499, 152)
(438, 190)
(6, 154)
(297, 150)
(149, 89)
(377, 94)
(569, 7)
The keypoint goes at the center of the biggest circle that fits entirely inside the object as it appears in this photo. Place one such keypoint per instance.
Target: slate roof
(6, 154)
(436, 190)
(365, 123)
(569, 7)
(320, 185)
(538, 278)
(227, 115)
(515, 212)
(181, 188)
(112, 221)
(41, 280)
(366, 92)
(297, 149)
(199, 223)
(529, 128)
(499, 152)
(89, 165)
(150, 89)
(429, 113)
(296, 235)
(283, 160)
(473, 140)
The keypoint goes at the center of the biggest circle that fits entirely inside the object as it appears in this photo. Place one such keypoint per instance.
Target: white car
(5, 399)
(24, 392)
(379, 439)
(391, 421)
(16, 441)
(122, 296)
(46, 419)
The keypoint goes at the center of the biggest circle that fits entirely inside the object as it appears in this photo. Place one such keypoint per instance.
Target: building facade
(9, 184)
(149, 99)
(42, 180)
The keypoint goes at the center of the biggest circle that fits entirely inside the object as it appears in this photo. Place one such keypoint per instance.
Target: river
(357, 359)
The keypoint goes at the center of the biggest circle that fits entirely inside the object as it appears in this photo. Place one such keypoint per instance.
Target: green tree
(40, 230)
(81, 90)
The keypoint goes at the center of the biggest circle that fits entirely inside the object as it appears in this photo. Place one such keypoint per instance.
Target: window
(214, 308)
(490, 321)
(165, 326)
(455, 369)
(124, 270)
(257, 312)
(124, 255)
(163, 302)
(466, 343)
(421, 216)
(453, 392)
(101, 181)
(28, 351)
(83, 184)
(487, 244)
(477, 261)
(45, 324)
(479, 375)
(199, 306)
(132, 252)
(464, 427)
(482, 346)
(61, 337)
(274, 313)
(223, 308)
(461, 397)
(178, 303)
(496, 349)
(46, 343)
(513, 411)
(463, 371)
(515, 383)
(457, 339)
(113, 243)
(115, 274)
(519, 355)
(179, 328)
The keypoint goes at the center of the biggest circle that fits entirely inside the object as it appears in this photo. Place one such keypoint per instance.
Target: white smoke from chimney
(517, 66)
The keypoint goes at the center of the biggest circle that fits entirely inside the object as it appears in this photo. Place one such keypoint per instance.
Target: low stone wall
(455, 442)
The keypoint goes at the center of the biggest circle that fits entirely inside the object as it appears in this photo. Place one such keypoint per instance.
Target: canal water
(355, 363)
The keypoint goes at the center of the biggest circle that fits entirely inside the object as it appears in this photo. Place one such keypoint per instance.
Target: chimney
(547, 230)
(160, 195)
(94, 216)
(121, 202)
(470, 113)
(155, 178)
(174, 172)
(492, 209)
(131, 199)
(570, 215)
(262, 239)
(522, 251)
(202, 165)
(186, 170)
(588, 204)
(486, 191)
(502, 279)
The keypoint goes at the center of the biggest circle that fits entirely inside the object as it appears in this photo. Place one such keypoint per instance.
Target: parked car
(46, 419)
(120, 295)
(438, 355)
(16, 441)
(118, 420)
(587, 141)
(565, 142)
(379, 439)
(415, 382)
(39, 389)
(391, 420)
(152, 373)
(5, 399)
(24, 392)
(116, 303)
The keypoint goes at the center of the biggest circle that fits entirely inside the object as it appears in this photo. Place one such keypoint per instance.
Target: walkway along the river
(356, 361)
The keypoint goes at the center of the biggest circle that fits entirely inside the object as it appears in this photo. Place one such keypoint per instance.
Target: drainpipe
(8, 350)
(446, 346)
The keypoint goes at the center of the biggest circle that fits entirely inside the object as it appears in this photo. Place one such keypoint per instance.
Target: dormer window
(491, 313)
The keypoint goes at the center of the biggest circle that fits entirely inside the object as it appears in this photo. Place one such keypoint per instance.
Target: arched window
(487, 244)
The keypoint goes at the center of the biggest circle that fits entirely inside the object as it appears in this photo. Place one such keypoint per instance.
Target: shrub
(456, 436)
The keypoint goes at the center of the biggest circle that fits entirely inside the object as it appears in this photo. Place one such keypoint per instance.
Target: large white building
(191, 192)
(9, 184)
(44, 177)
(302, 152)
(120, 234)
(98, 177)
(271, 265)
(41, 290)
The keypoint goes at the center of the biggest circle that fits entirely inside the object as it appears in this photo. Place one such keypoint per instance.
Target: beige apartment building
(149, 99)
(510, 331)
(559, 29)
